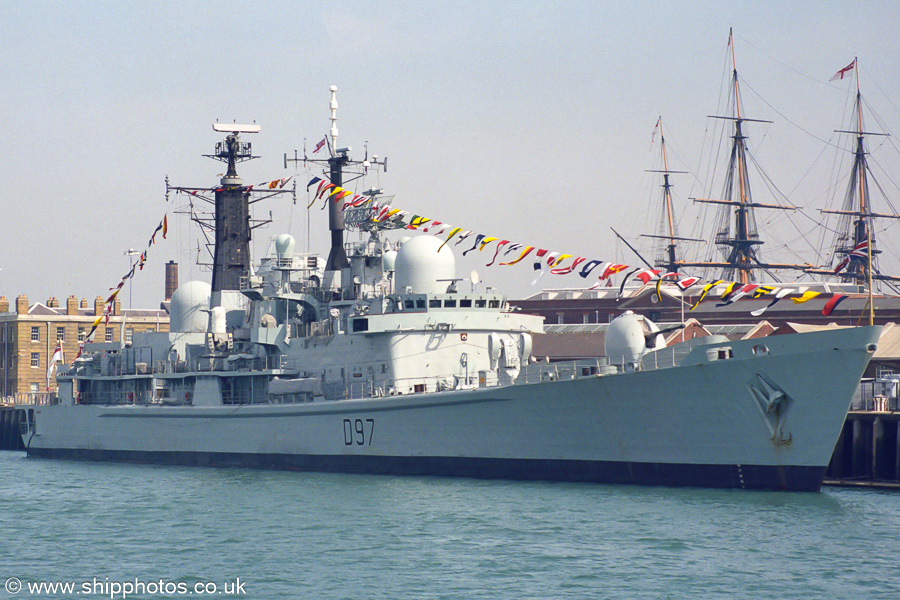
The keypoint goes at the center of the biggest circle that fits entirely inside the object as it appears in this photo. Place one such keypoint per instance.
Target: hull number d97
(358, 432)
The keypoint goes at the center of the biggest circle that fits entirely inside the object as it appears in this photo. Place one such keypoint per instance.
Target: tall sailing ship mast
(738, 240)
(855, 249)
(666, 255)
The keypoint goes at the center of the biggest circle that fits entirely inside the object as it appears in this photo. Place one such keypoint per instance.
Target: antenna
(334, 107)
(235, 128)
(337, 166)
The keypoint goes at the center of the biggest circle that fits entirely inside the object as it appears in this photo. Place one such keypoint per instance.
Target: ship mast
(855, 227)
(740, 250)
(337, 163)
(668, 259)
(228, 229)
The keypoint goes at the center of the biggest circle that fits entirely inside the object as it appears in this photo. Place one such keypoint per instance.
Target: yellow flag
(452, 233)
(706, 289)
(487, 241)
(806, 297)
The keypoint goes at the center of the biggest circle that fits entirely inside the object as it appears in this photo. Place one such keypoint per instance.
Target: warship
(376, 360)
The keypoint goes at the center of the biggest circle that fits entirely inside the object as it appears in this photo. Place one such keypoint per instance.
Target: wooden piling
(867, 452)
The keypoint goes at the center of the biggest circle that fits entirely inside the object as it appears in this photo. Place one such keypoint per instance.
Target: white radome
(422, 269)
(186, 309)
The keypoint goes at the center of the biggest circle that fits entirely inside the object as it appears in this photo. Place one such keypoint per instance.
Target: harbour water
(273, 535)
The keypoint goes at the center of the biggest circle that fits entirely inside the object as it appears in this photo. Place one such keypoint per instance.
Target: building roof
(39, 309)
(888, 343)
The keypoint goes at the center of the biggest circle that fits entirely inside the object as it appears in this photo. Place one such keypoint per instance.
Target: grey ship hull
(703, 423)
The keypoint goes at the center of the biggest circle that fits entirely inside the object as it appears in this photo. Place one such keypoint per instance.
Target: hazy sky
(529, 121)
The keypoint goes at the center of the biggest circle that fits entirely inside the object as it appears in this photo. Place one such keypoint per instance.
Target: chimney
(83, 303)
(72, 305)
(98, 306)
(118, 308)
(4, 304)
(171, 279)
(52, 302)
(22, 304)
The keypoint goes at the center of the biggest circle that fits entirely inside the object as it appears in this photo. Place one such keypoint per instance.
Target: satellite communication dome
(422, 269)
(187, 305)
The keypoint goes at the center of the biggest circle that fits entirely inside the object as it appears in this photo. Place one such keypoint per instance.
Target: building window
(35, 359)
(35, 334)
(34, 388)
(108, 334)
(60, 334)
(81, 334)
(128, 333)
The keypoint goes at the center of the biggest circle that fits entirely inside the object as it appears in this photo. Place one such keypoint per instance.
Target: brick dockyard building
(29, 336)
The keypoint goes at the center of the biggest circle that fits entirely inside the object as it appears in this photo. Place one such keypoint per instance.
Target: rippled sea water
(308, 535)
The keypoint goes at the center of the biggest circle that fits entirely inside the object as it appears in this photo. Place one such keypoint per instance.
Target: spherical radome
(422, 269)
(187, 305)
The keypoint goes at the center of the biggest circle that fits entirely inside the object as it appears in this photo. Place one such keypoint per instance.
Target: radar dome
(422, 269)
(284, 247)
(389, 261)
(187, 305)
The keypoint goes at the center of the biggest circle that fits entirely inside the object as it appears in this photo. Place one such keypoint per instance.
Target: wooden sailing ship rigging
(736, 232)
(666, 253)
(854, 254)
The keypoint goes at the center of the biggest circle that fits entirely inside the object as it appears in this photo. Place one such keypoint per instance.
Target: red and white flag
(319, 146)
(57, 357)
(648, 275)
(687, 282)
(845, 72)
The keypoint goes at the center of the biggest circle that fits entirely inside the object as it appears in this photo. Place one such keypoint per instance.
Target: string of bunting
(556, 261)
(110, 302)
(275, 184)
